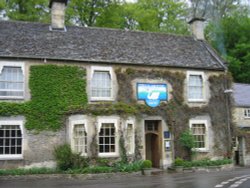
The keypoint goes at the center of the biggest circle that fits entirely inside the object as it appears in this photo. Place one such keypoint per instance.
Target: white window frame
(13, 64)
(247, 113)
(106, 69)
(71, 133)
(196, 73)
(133, 135)
(12, 156)
(115, 122)
(194, 121)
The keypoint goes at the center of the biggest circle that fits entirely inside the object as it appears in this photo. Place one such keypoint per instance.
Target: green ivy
(54, 89)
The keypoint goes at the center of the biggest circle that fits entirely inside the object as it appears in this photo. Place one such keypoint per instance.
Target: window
(199, 129)
(11, 140)
(195, 86)
(107, 137)
(199, 133)
(101, 83)
(12, 81)
(130, 137)
(80, 139)
(247, 113)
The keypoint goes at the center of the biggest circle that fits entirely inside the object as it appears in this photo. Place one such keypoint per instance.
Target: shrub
(66, 159)
(146, 164)
(178, 162)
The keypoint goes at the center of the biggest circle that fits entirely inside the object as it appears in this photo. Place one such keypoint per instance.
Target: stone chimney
(57, 14)
(197, 28)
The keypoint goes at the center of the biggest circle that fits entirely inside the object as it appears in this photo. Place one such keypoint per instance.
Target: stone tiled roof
(35, 40)
(241, 94)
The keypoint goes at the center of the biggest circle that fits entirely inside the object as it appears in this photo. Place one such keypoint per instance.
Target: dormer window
(12, 81)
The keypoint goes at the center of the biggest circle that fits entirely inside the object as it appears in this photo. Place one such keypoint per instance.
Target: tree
(213, 9)
(32, 10)
(161, 15)
(231, 38)
(85, 12)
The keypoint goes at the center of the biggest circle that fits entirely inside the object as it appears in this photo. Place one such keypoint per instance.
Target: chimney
(197, 28)
(57, 14)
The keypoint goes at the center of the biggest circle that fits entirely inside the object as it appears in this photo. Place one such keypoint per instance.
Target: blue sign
(152, 93)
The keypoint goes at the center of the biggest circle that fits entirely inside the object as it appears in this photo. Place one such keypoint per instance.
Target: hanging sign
(152, 94)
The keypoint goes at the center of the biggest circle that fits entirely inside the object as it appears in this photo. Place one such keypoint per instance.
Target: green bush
(66, 159)
(147, 164)
(201, 163)
(178, 162)
(15, 172)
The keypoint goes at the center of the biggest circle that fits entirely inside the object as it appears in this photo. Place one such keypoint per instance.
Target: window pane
(10, 141)
(107, 138)
(195, 87)
(101, 84)
(11, 81)
(80, 138)
(199, 133)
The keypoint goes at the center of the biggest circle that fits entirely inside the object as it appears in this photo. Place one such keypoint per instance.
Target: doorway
(153, 141)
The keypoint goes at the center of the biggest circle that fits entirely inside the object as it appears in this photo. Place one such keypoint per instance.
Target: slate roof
(35, 40)
(241, 94)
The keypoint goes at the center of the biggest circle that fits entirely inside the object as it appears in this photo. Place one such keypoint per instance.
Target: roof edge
(111, 62)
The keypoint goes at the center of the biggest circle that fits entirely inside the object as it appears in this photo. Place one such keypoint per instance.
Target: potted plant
(146, 167)
(178, 164)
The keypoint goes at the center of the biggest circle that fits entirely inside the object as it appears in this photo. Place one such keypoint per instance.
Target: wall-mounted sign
(152, 93)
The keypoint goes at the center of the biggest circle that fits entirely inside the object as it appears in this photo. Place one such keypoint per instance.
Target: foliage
(201, 163)
(178, 162)
(146, 164)
(32, 10)
(85, 12)
(22, 171)
(187, 140)
(123, 151)
(53, 90)
(66, 159)
(231, 38)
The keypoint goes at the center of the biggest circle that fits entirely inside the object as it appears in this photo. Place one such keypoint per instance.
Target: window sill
(201, 150)
(11, 157)
(95, 99)
(197, 100)
(108, 155)
(11, 98)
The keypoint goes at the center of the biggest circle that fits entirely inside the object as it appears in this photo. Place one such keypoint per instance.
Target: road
(239, 178)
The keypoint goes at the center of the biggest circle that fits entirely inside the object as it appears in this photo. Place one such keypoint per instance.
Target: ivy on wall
(58, 91)
(53, 89)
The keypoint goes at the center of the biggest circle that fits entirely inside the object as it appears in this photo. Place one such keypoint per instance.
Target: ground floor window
(199, 130)
(10, 140)
(80, 139)
(199, 133)
(107, 138)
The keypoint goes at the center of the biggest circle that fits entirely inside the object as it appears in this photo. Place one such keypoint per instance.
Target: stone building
(93, 87)
(241, 113)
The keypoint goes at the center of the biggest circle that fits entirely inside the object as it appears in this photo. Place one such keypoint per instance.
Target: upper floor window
(195, 83)
(11, 81)
(199, 131)
(101, 83)
(247, 113)
(11, 139)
